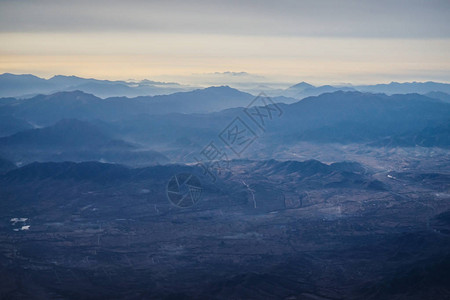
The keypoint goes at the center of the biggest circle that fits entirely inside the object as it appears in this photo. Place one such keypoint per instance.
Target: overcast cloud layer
(398, 19)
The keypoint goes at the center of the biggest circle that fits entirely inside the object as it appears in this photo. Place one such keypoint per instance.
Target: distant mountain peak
(18, 75)
(77, 93)
(65, 76)
(223, 89)
(220, 87)
(302, 85)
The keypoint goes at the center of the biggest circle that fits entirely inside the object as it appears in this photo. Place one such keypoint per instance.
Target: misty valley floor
(332, 233)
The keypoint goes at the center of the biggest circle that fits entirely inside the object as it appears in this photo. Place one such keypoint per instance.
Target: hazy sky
(195, 41)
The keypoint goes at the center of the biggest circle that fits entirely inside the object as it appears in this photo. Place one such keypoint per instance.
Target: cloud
(228, 73)
(393, 19)
(222, 78)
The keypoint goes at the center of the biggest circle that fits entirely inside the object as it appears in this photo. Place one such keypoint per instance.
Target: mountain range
(26, 86)
(150, 130)
(44, 110)
(12, 85)
(74, 140)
